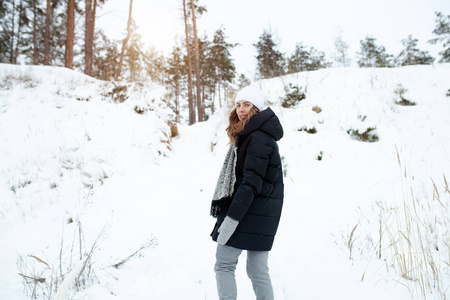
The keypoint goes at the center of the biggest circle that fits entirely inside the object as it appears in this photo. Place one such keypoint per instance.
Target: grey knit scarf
(225, 184)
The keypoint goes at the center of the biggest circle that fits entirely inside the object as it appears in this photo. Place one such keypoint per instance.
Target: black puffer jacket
(258, 191)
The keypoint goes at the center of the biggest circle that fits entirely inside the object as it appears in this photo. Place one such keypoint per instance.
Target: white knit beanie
(252, 94)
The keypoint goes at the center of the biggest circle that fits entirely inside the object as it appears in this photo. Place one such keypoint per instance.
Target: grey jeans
(257, 270)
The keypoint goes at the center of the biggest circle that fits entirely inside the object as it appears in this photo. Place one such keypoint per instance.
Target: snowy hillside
(89, 172)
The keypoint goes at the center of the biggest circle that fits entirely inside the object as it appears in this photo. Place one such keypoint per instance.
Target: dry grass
(351, 241)
(418, 236)
(411, 237)
(42, 279)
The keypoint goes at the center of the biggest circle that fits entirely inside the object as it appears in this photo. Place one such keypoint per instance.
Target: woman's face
(243, 109)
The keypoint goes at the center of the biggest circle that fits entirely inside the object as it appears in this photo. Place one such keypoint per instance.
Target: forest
(199, 73)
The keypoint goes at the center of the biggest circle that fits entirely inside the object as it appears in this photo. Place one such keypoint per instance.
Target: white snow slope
(85, 178)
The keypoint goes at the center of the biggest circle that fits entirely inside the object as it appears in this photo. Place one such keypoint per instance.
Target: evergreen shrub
(320, 156)
(311, 130)
(118, 93)
(367, 136)
(400, 91)
(293, 95)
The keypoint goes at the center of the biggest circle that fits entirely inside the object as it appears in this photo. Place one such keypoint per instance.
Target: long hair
(235, 126)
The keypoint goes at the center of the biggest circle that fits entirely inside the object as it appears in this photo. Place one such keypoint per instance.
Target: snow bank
(90, 167)
(63, 135)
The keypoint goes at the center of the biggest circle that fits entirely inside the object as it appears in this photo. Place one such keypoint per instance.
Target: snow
(80, 171)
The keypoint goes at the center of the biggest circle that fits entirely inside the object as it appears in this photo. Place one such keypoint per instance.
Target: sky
(313, 23)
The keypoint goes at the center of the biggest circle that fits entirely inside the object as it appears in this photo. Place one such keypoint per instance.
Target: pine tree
(125, 40)
(9, 11)
(44, 38)
(35, 21)
(270, 61)
(23, 36)
(384, 60)
(48, 13)
(205, 73)
(442, 30)
(221, 61)
(297, 62)
(372, 56)
(33, 35)
(4, 26)
(175, 77)
(106, 58)
(155, 65)
(317, 60)
(200, 107)
(368, 54)
(35, 31)
(134, 58)
(58, 31)
(306, 60)
(9, 33)
(20, 29)
(411, 55)
(189, 64)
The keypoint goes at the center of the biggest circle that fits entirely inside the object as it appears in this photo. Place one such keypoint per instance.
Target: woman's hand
(226, 230)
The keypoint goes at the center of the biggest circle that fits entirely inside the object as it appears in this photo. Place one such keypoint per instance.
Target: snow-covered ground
(81, 174)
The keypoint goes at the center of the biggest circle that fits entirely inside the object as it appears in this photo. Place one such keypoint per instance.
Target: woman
(248, 197)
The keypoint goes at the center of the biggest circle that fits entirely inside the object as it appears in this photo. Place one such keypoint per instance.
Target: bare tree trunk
(212, 103)
(125, 41)
(70, 34)
(218, 80)
(94, 12)
(35, 50)
(225, 94)
(190, 97)
(200, 108)
(220, 100)
(88, 39)
(47, 34)
(19, 29)
(177, 102)
(11, 58)
(203, 100)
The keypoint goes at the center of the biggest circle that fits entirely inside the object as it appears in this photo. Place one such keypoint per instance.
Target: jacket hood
(265, 121)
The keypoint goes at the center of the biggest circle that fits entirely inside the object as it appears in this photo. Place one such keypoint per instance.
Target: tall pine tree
(372, 56)
(106, 58)
(442, 30)
(195, 9)
(125, 40)
(270, 61)
(297, 62)
(155, 65)
(189, 64)
(175, 77)
(222, 63)
(4, 25)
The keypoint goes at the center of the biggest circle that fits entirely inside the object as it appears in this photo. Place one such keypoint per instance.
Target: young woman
(248, 198)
